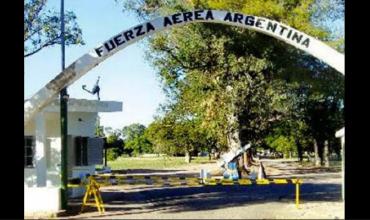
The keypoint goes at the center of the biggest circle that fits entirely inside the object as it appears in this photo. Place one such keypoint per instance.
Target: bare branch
(48, 43)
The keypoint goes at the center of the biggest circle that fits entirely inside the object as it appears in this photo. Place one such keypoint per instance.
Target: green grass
(153, 163)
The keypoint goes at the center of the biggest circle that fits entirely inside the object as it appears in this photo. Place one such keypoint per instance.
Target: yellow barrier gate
(92, 189)
(94, 183)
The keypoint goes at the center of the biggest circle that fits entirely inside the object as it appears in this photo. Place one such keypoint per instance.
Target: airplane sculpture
(229, 156)
(226, 162)
(95, 90)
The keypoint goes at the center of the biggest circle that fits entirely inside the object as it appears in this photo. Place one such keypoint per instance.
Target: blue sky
(125, 77)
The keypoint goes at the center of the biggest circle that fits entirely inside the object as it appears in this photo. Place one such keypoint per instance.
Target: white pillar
(343, 165)
(40, 160)
(340, 134)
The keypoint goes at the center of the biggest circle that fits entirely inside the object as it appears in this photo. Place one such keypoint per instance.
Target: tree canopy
(42, 27)
(235, 86)
(135, 139)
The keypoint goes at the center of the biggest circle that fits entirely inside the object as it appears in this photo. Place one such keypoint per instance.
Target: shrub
(112, 154)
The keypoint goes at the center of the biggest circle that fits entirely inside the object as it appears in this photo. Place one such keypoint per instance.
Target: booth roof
(85, 105)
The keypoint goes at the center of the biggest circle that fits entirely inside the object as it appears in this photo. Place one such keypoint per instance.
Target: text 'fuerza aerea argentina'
(253, 22)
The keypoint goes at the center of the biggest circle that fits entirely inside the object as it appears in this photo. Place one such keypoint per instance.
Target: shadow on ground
(181, 199)
(142, 171)
(311, 170)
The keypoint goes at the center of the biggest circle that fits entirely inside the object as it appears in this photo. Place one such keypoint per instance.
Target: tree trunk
(299, 150)
(217, 155)
(105, 157)
(187, 157)
(321, 152)
(326, 154)
(240, 166)
(339, 152)
(233, 138)
(245, 159)
(317, 157)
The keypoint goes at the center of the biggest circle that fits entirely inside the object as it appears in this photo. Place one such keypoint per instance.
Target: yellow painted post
(297, 193)
(97, 197)
(97, 202)
(297, 183)
(84, 201)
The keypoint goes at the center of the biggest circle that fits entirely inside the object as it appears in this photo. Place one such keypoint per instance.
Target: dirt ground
(320, 197)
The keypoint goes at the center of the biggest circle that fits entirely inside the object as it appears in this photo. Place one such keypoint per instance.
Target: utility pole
(63, 120)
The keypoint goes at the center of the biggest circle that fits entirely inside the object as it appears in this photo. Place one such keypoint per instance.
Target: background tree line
(131, 140)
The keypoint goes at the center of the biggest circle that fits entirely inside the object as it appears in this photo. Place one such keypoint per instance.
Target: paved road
(320, 196)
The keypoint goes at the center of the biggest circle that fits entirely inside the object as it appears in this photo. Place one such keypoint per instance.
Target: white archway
(266, 26)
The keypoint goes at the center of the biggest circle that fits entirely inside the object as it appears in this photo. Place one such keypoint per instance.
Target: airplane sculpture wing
(229, 156)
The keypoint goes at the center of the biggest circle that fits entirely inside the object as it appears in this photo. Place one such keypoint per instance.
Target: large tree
(135, 139)
(42, 27)
(175, 134)
(228, 77)
(114, 144)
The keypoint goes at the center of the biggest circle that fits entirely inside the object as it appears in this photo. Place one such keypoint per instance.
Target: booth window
(29, 151)
(81, 151)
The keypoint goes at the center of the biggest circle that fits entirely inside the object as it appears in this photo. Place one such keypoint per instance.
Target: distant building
(42, 155)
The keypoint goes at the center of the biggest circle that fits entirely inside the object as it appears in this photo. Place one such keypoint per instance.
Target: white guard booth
(42, 151)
